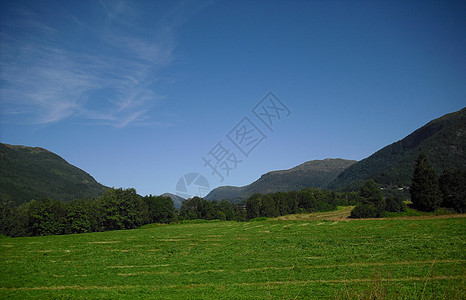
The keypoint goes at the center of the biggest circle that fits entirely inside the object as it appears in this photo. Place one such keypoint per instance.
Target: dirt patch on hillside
(337, 215)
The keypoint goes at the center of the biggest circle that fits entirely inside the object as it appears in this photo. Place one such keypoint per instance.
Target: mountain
(316, 173)
(443, 140)
(177, 200)
(28, 173)
(230, 193)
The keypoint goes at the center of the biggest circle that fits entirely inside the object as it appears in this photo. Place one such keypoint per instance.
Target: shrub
(395, 204)
(364, 211)
(372, 195)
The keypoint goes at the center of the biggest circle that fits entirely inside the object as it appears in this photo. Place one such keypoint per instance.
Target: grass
(342, 212)
(416, 213)
(293, 259)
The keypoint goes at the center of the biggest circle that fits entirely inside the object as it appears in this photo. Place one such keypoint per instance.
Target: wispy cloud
(107, 76)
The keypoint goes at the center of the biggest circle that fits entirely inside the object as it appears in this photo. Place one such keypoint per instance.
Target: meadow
(294, 258)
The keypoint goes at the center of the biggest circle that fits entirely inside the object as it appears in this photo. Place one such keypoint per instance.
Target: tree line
(119, 209)
(267, 205)
(116, 209)
(373, 204)
(304, 201)
(428, 192)
(199, 208)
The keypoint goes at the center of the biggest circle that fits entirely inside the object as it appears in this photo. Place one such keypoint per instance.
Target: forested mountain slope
(316, 173)
(28, 173)
(443, 140)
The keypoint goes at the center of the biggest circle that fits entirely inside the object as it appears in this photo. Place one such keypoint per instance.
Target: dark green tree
(453, 188)
(371, 194)
(160, 209)
(46, 217)
(395, 204)
(190, 208)
(293, 202)
(352, 198)
(253, 206)
(268, 207)
(22, 221)
(79, 216)
(197, 208)
(121, 209)
(227, 209)
(240, 212)
(207, 211)
(364, 211)
(424, 190)
(8, 217)
(372, 202)
(282, 203)
(307, 200)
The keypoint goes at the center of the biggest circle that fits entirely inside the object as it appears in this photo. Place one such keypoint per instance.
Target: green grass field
(292, 259)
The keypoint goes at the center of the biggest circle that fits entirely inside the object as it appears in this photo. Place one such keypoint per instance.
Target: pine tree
(453, 187)
(373, 203)
(424, 190)
(371, 194)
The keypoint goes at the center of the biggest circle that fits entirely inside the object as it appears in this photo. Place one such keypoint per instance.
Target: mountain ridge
(315, 173)
(28, 173)
(443, 140)
(177, 200)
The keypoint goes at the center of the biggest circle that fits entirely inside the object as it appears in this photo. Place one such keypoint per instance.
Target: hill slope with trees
(28, 173)
(316, 174)
(177, 200)
(443, 140)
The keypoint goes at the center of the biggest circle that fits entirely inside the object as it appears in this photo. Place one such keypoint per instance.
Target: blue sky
(137, 93)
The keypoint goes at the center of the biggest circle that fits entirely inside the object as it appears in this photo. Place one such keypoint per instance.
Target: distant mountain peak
(177, 200)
